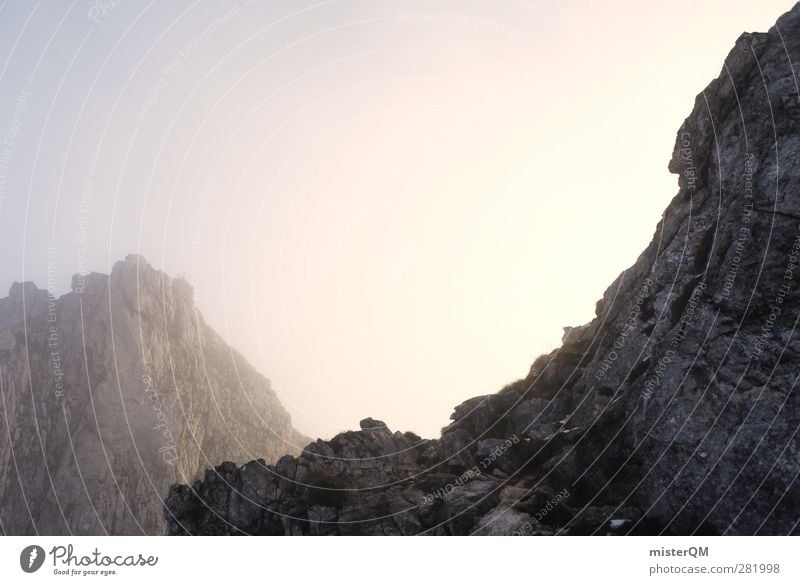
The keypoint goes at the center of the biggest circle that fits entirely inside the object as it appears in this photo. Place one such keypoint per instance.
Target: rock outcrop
(675, 411)
(113, 392)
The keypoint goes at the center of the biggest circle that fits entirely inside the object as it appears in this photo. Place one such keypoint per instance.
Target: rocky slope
(112, 393)
(674, 411)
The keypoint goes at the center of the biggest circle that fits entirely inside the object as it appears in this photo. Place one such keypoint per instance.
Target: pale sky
(387, 207)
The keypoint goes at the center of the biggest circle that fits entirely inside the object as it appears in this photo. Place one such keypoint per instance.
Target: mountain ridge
(113, 391)
(674, 411)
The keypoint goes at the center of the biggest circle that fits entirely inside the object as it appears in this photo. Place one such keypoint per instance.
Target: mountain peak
(117, 390)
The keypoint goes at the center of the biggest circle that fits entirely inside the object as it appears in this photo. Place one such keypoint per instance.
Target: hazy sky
(388, 207)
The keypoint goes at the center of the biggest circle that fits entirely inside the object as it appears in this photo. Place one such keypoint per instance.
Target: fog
(387, 207)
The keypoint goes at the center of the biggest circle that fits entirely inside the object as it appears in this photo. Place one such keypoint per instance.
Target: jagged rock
(112, 393)
(674, 410)
(372, 424)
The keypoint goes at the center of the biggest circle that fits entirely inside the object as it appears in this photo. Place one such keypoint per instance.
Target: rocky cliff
(113, 392)
(675, 411)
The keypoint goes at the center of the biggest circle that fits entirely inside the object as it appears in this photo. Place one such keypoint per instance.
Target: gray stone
(673, 412)
(129, 392)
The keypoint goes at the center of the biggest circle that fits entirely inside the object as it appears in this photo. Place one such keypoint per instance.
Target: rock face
(112, 393)
(675, 411)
